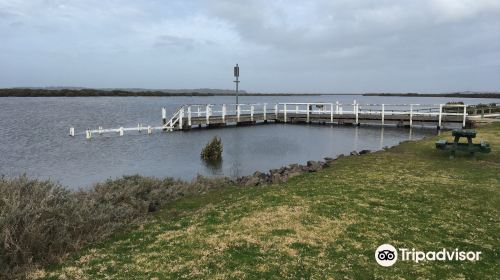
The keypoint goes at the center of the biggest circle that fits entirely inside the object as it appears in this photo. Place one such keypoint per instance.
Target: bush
(213, 150)
(42, 221)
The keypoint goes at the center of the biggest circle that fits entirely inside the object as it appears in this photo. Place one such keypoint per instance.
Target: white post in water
(440, 115)
(72, 131)
(189, 116)
(411, 115)
(265, 111)
(164, 115)
(251, 112)
(331, 112)
(307, 115)
(88, 134)
(296, 109)
(238, 111)
(150, 130)
(276, 110)
(100, 130)
(121, 131)
(336, 107)
(465, 116)
(284, 111)
(383, 114)
(139, 127)
(223, 113)
(199, 113)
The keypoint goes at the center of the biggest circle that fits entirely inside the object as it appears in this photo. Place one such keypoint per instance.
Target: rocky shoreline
(285, 173)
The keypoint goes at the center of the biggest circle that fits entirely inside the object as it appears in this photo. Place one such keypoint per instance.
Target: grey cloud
(323, 45)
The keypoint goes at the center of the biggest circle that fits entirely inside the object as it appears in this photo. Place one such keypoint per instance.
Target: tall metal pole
(237, 75)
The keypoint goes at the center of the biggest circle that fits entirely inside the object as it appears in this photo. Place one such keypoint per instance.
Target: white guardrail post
(440, 115)
(411, 115)
(223, 113)
(308, 106)
(465, 116)
(265, 109)
(276, 111)
(181, 117)
(189, 116)
(383, 114)
(72, 131)
(284, 111)
(238, 112)
(164, 115)
(331, 112)
(356, 112)
(207, 113)
(251, 112)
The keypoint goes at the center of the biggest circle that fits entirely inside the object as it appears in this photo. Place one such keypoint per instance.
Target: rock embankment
(285, 173)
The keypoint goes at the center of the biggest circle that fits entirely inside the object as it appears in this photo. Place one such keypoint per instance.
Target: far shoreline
(88, 92)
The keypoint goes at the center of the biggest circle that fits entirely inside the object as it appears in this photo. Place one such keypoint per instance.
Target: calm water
(34, 141)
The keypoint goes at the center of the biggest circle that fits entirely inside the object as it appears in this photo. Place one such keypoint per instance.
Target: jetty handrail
(326, 112)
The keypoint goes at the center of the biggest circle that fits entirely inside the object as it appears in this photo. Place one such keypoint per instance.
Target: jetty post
(440, 116)
(265, 112)
(465, 116)
(72, 131)
(164, 116)
(411, 115)
(383, 114)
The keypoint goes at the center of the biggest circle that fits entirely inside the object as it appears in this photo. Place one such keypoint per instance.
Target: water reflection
(356, 138)
(381, 138)
(213, 167)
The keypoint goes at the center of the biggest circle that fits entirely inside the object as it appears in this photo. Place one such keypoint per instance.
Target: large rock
(363, 152)
(354, 153)
(314, 166)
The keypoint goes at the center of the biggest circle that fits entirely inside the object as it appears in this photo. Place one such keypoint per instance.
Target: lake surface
(34, 138)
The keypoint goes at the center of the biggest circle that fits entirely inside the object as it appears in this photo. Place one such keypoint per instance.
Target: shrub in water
(213, 150)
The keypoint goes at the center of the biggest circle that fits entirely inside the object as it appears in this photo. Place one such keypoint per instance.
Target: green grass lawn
(323, 225)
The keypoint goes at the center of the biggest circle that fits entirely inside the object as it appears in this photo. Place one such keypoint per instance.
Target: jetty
(220, 115)
(191, 116)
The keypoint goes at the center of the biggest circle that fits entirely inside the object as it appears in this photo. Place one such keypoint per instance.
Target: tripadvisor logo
(387, 255)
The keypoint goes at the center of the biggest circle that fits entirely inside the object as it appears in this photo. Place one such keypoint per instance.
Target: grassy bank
(319, 225)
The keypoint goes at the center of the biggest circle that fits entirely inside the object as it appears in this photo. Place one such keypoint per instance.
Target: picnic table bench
(468, 147)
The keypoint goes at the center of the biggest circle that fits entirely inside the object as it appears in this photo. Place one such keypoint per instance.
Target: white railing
(332, 109)
(266, 111)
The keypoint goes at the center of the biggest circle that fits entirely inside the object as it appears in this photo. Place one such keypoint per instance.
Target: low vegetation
(213, 150)
(41, 221)
(323, 225)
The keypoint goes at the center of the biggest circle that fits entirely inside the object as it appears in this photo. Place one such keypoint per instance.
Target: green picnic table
(468, 147)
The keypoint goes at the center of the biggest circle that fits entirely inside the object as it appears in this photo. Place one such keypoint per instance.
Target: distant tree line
(30, 92)
(451, 94)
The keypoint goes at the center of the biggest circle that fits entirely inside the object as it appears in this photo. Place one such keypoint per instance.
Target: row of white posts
(121, 130)
(208, 112)
(335, 108)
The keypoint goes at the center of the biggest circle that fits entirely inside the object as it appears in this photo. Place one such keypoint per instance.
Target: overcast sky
(281, 46)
